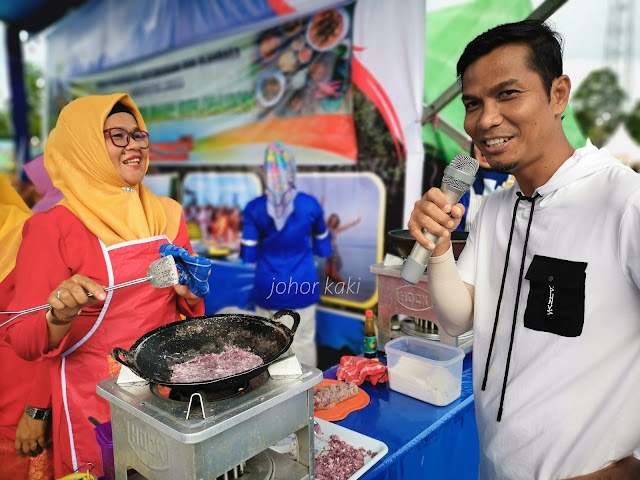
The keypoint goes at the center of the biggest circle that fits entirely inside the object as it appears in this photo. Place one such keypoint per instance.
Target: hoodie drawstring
(515, 312)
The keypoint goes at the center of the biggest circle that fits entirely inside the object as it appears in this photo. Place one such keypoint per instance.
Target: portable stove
(226, 436)
(395, 296)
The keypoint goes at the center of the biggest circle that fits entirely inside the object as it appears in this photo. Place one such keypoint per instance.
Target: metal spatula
(160, 274)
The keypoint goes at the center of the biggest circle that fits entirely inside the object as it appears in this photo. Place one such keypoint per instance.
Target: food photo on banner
(213, 204)
(357, 234)
(222, 100)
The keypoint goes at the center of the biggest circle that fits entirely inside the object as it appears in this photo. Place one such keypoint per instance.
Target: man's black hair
(545, 46)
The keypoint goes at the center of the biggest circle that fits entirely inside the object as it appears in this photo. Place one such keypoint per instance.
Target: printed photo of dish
(298, 42)
(270, 88)
(304, 55)
(327, 28)
(268, 47)
(287, 62)
(292, 28)
(298, 79)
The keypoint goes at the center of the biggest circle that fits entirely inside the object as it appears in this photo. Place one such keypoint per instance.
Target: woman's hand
(71, 297)
(434, 213)
(31, 436)
(193, 273)
(67, 301)
(185, 292)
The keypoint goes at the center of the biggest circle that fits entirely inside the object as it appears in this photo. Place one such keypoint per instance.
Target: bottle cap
(368, 313)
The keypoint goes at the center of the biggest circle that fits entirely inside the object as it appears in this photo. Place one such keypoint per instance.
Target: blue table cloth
(425, 441)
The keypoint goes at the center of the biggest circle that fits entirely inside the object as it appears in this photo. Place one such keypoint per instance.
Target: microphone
(458, 177)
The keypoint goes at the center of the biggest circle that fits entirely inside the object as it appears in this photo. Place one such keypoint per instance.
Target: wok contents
(329, 396)
(339, 460)
(215, 365)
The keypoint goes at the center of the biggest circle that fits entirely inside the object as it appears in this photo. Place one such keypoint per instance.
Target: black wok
(152, 355)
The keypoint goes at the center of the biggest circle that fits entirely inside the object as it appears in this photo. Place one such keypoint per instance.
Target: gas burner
(212, 396)
(429, 330)
(420, 328)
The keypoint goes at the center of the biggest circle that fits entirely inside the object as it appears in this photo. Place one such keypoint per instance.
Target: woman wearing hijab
(23, 439)
(282, 231)
(107, 230)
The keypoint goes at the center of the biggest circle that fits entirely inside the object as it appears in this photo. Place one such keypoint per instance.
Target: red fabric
(359, 369)
(21, 383)
(17, 467)
(55, 246)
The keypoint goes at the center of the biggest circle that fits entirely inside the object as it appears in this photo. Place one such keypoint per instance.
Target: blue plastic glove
(194, 271)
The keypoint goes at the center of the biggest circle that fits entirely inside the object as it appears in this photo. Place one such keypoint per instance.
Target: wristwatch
(37, 413)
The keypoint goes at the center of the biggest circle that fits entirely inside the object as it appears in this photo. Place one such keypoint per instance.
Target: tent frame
(430, 111)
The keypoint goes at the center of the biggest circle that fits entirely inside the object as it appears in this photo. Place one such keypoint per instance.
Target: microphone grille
(465, 164)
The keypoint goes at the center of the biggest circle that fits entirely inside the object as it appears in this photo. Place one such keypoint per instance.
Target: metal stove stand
(152, 435)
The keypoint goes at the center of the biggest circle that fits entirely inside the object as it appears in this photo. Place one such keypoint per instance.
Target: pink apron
(127, 314)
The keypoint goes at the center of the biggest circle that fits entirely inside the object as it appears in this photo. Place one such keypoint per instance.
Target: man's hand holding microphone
(436, 214)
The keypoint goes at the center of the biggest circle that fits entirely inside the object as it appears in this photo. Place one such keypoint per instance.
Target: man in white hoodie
(549, 279)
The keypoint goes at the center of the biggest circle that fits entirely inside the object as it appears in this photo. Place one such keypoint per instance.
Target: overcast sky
(581, 22)
(583, 25)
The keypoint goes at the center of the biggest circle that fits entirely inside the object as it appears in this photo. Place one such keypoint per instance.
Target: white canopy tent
(622, 145)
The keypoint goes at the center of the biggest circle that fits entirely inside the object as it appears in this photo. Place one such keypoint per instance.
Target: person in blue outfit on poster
(487, 181)
(282, 231)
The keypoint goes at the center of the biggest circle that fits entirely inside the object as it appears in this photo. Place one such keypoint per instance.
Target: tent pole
(19, 106)
(544, 11)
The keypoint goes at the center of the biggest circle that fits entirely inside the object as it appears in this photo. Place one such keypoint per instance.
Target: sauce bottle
(370, 343)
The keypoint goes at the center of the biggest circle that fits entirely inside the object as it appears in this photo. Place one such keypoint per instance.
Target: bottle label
(370, 345)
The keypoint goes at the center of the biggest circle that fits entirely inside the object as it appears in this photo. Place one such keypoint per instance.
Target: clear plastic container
(424, 369)
(105, 441)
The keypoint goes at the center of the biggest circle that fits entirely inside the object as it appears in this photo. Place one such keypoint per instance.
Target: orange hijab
(13, 213)
(76, 158)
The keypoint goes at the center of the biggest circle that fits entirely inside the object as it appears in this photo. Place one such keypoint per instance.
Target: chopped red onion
(215, 365)
(339, 460)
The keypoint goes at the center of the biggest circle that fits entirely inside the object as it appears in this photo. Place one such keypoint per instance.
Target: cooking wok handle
(123, 356)
(292, 314)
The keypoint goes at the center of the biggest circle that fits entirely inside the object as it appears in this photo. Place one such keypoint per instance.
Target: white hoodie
(572, 398)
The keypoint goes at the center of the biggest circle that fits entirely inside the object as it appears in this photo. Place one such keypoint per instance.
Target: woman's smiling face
(130, 161)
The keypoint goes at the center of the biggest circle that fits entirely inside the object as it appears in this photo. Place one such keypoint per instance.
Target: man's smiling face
(509, 114)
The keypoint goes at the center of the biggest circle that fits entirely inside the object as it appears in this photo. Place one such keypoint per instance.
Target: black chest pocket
(556, 297)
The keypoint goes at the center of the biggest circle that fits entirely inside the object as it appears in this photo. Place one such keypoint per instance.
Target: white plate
(287, 445)
(273, 97)
(345, 24)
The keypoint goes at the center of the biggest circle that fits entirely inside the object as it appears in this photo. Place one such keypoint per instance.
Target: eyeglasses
(120, 137)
